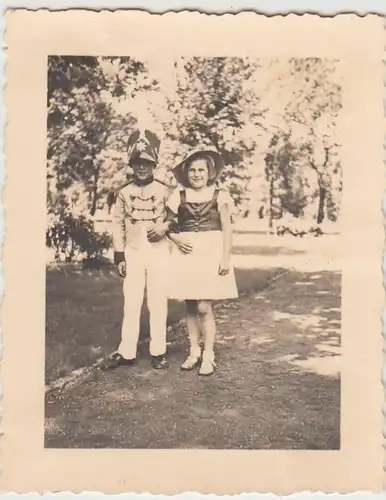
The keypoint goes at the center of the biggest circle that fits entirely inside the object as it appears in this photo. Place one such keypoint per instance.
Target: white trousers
(146, 268)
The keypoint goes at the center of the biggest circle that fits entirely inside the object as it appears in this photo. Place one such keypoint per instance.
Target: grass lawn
(277, 385)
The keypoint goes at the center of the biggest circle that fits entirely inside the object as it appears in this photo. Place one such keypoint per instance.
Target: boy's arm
(171, 212)
(171, 221)
(119, 229)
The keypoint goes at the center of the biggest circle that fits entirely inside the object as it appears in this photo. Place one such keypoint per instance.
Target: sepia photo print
(274, 359)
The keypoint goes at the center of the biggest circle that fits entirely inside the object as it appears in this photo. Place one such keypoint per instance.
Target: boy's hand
(223, 268)
(122, 269)
(157, 232)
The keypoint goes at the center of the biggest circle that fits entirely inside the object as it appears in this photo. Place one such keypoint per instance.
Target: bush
(298, 227)
(71, 236)
(96, 263)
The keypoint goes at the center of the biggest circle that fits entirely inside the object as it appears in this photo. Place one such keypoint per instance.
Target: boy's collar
(145, 182)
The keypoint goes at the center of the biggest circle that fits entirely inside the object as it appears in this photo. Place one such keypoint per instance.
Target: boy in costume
(141, 251)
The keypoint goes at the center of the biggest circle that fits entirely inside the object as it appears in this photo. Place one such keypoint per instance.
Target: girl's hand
(223, 268)
(183, 244)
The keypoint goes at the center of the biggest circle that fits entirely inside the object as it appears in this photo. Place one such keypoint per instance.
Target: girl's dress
(195, 276)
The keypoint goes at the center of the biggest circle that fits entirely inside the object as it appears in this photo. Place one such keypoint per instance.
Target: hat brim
(138, 156)
(218, 163)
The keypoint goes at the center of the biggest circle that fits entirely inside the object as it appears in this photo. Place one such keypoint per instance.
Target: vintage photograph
(193, 252)
(193, 272)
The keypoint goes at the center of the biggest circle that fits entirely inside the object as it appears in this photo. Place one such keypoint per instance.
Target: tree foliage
(85, 129)
(211, 107)
(306, 139)
(275, 123)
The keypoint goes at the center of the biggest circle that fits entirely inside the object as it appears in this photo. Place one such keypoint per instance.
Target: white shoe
(191, 362)
(208, 365)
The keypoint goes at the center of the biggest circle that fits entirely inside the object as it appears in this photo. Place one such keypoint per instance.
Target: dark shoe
(159, 362)
(116, 361)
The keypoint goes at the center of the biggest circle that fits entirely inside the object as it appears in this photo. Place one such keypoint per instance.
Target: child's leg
(133, 289)
(133, 292)
(157, 261)
(157, 301)
(193, 324)
(208, 325)
(194, 332)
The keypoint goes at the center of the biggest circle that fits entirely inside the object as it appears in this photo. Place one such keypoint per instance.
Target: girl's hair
(209, 163)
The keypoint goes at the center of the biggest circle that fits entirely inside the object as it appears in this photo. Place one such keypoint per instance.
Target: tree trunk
(94, 194)
(271, 195)
(321, 203)
(322, 190)
(71, 252)
(110, 200)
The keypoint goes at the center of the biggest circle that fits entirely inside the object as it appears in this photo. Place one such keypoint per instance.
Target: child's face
(198, 175)
(143, 169)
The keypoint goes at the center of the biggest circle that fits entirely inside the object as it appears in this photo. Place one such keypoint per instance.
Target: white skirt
(195, 276)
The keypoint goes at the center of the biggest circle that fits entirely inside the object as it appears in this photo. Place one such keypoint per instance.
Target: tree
(304, 101)
(315, 107)
(84, 122)
(210, 106)
(280, 175)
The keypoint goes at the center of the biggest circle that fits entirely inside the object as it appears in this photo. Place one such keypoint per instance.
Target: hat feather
(153, 140)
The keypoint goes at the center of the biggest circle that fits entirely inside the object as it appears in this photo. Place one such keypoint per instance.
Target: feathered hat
(215, 164)
(143, 144)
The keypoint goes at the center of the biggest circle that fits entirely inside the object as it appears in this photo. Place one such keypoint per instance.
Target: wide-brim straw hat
(216, 161)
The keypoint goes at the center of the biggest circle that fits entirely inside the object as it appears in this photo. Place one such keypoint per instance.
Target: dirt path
(276, 387)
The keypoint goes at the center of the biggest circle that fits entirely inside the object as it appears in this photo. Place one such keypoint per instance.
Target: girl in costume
(201, 270)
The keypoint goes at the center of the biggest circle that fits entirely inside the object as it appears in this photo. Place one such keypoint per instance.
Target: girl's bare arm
(183, 244)
(227, 234)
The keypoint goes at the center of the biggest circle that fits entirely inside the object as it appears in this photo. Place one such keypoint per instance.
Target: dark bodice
(199, 216)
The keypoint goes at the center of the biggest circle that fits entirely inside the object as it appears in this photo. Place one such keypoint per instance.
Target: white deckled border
(241, 17)
(383, 372)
